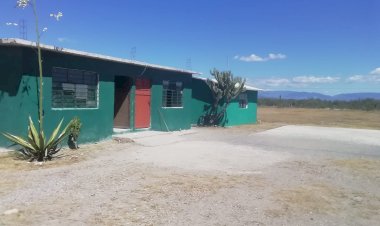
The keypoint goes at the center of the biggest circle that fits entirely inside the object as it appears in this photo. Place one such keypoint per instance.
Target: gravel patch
(284, 176)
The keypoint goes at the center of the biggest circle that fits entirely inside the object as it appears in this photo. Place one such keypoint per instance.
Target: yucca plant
(36, 146)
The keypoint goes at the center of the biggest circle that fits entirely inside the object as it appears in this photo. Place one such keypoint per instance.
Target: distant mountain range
(309, 95)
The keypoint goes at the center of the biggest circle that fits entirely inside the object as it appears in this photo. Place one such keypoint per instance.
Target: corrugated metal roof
(26, 43)
(247, 87)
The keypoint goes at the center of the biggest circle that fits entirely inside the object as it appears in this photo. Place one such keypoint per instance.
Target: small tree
(224, 88)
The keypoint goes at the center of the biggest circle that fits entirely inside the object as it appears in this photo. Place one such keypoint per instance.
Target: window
(243, 100)
(172, 94)
(74, 88)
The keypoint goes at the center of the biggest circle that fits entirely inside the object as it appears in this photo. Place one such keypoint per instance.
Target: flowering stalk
(23, 4)
(39, 66)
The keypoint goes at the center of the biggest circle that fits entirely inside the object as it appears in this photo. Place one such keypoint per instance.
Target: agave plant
(36, 146)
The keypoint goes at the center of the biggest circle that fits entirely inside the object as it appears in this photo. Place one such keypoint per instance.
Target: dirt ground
(249, 175)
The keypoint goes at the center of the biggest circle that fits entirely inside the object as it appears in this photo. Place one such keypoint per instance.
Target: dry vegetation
(320, 117)
(324, 199)
(11, 161)
(360, 166)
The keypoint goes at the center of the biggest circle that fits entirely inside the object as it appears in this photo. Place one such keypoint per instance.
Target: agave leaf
(18, 140)
(34, 133)
(60, 137)
(31, 142)
(42, 143)
(55, 133)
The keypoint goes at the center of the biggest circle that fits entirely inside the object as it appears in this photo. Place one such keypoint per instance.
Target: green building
(242, 110)
(108, 94)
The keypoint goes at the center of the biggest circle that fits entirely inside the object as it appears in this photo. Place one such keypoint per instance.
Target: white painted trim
(75, 109)
(171, 107)
(247, 87)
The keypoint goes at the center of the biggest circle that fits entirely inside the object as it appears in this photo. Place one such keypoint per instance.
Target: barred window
(243, 100)
(73, 88)
(172, 94)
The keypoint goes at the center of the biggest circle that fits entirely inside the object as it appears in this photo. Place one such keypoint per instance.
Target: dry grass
(10, 161)
(320, 117)
(318, 198)
(361, 167)
(259, 127)
(160, 195)
(324, 199)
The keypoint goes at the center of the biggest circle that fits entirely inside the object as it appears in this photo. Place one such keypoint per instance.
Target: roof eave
(247, 87)
(26, 43)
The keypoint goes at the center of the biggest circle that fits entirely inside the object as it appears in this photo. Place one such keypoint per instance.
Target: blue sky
(327, 46)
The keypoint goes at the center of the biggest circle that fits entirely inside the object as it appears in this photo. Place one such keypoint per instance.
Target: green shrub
(74, 129)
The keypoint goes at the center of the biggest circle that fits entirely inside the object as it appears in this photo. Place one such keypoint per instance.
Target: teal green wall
(18, 94)
(202, 99)
(239, 116)
(17, 106)
(175, 118)
(19, 98)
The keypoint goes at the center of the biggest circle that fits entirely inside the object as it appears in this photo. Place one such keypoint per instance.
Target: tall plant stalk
(36, 146)
(40, 90)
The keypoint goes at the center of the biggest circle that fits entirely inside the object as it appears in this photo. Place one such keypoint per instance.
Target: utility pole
(188, 63)
(133, 53)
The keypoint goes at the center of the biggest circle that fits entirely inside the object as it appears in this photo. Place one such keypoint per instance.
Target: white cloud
(276, 56)
(277, 82)
(376, 71)
(315, 79)
(250, 58)
(274, 82)
(62, 39)
(373, 76)
(364, 78)
(256, 58)
(357, 78)
(298, 81)
(11, 24)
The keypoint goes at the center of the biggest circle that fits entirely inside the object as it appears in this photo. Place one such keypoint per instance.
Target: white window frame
(78, 108)
(177, 84)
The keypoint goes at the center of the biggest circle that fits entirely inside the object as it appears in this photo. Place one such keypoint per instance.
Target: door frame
(124, 103)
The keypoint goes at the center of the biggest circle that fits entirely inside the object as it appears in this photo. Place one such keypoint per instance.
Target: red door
(142, 103)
